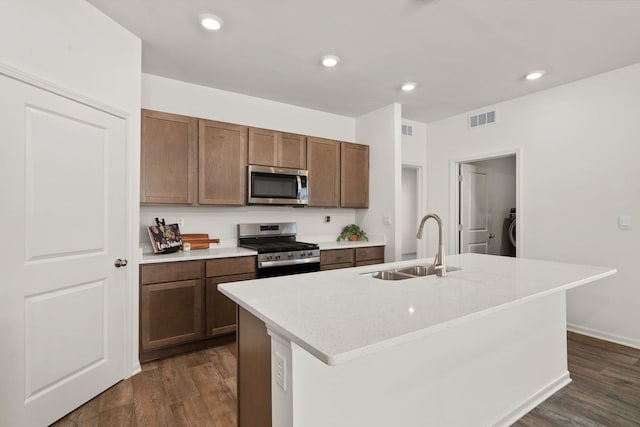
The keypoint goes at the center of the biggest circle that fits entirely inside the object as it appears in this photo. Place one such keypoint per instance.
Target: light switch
(624, 222)
(386, 219)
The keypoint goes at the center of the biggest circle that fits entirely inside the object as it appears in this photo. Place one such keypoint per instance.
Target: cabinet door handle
(120, 262)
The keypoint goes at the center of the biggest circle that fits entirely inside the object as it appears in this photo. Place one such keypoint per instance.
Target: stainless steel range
(279, 253)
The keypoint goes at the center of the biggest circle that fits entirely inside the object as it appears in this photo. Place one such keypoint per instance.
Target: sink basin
(389, 275)
(411, 272)
(422, 270)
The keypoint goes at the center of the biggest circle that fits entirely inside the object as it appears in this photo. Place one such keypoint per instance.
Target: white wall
(174, 96)
(159, 93)
(502, 196)
(73, 45)
(579, 159)
(221, 221)
(414, 154)
(382, 131)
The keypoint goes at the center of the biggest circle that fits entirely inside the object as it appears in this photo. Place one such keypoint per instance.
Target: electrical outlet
(386, 219)
(180, 222)
(327, 218)
(281, 371)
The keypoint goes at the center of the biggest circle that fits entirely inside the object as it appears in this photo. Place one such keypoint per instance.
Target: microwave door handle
(299, 186)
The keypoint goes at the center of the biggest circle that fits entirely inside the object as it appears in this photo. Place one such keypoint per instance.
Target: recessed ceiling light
(210, 22)
(409, 86)
(535, 75)
(330, 60)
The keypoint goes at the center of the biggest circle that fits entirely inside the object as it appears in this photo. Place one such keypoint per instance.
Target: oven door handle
(283, 262)
(299, 179)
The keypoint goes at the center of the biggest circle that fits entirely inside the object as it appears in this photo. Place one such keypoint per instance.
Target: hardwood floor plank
(150, 401)
(191, 412)
(177, 383)
(601, 344)
(224, 360)
(219, 400)
(199, 389)
(122, 415)
(118, 395)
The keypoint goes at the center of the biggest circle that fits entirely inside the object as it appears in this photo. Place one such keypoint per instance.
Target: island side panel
(254, 371)
(486, 372)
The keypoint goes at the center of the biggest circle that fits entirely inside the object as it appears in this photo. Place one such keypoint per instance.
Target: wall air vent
(482, 119)
(407, 130)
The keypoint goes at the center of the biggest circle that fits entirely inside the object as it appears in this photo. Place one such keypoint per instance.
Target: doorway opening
(487, 208)
(411, 204)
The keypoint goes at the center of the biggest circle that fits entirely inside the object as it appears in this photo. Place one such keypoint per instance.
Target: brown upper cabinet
(272, 148)
(323, 163)
(168, 158)
(222, 163)
(354, 172)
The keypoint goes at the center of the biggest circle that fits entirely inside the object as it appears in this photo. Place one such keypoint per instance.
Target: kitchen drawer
(369, 253)
(336, 266)
(227, 266)
(337, 256)
(170, 272)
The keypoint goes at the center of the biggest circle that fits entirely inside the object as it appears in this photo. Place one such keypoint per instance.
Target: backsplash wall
(221, 222)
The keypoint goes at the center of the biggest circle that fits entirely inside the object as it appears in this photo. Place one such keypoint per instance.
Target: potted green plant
(352, 232)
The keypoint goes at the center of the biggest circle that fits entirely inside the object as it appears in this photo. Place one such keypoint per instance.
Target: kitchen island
(481, 346)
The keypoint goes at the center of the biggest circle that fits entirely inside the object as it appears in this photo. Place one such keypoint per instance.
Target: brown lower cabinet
(183, 300)
(181, 308)
(221, 311)
(351, 257)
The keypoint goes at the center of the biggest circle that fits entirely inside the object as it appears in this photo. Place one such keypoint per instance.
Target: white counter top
(327, 245)
(341, 315)
(196, 255)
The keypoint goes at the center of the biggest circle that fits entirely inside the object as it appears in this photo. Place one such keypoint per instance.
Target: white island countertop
(341, 315)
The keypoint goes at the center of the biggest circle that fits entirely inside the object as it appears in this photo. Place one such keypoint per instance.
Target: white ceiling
(463, 54)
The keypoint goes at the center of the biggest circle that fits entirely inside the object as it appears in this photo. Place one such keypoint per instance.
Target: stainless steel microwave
(268, 185)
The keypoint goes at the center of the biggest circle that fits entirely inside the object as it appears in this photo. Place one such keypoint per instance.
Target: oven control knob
(290, 255)
(277, 256)
(310, 253)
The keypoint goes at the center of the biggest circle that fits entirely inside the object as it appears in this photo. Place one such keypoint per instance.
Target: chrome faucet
(438, 264)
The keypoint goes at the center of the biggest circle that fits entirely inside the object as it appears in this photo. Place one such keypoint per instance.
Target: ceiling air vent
(407, 130)
(482, 119)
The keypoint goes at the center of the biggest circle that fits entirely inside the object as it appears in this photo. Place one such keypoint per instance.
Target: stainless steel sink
(421, 270)
(389, 275)
(411, 272)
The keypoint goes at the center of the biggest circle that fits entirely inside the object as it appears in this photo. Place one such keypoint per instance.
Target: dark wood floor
(199, 389)
(194, 389)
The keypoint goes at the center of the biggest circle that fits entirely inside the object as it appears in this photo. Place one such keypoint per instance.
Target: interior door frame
(454, 194)
(132, 206)
(421, 248)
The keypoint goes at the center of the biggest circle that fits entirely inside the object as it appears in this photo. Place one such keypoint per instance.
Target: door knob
(491, 236)
(120, 263)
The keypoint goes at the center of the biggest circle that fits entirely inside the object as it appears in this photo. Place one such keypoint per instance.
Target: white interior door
(63, 222)
(474, 209)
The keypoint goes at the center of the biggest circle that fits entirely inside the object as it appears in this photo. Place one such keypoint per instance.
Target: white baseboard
(136, 368)
(629, 342)
(533, 401)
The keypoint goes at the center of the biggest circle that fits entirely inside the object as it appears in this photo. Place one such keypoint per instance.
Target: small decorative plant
(352, 232)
